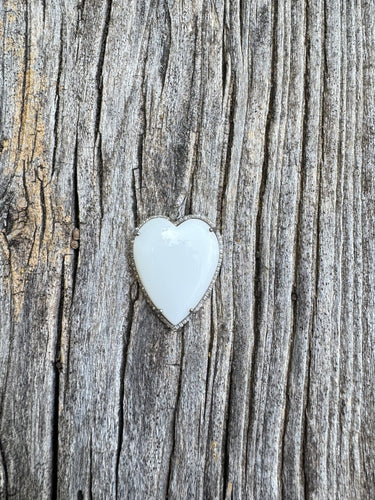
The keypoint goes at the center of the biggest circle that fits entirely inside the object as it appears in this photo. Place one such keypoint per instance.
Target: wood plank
(257, 115)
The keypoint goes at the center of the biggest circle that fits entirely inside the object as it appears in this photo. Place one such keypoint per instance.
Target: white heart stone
(176, 263)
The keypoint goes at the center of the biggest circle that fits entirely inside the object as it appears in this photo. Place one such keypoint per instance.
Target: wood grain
(259, 115)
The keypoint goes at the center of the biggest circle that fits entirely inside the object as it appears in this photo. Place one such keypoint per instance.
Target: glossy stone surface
(176, 264)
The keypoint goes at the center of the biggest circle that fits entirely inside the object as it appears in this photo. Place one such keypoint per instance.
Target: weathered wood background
(258, 114)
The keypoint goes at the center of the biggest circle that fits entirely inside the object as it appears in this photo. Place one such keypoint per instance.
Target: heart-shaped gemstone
(176, 264)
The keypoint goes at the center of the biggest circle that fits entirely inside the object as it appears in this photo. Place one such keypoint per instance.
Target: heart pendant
(177, 264)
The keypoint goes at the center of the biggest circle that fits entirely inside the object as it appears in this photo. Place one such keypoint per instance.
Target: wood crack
(44, 11)
(24, 183)
(43, 212)
(125, 347)
(99, 71)
(195, 76)
(140, 153)
(224, 62)
(3, 464)
(227, 161)
(76, 216)
(100, 166)
(304, 460)
(56, 385)
(174, 420)
(209, 364)
(164, 62)
(57, 101)
(225, 452)
(35, 137)
(24, 80)
(99, 100)
(134, 198)
(90, 470)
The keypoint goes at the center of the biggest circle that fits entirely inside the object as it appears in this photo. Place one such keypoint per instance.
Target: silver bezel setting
(177, 222)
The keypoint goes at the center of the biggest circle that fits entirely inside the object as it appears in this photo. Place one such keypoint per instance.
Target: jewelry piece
(177, 264)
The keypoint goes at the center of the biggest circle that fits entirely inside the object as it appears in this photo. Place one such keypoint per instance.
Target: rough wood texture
(259, 115)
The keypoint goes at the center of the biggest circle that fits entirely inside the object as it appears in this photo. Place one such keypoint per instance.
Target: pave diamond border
(176, 223)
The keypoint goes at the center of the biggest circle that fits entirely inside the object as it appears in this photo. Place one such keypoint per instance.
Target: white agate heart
(176, 264)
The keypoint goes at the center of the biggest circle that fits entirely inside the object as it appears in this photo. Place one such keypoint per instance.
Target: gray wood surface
(259, 115)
